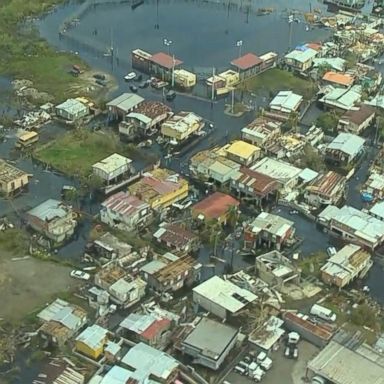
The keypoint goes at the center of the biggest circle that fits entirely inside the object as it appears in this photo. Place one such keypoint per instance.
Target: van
(27, 139)
(323, 313)
(240, 370)
(331, 251)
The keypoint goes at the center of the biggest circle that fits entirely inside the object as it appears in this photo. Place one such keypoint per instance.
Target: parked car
(240, 370)
(170, 95)
(264, 361)
(99, 76)
(144, 84)
(80, 275)
(133, 88)
(323, 313)
(130, 76)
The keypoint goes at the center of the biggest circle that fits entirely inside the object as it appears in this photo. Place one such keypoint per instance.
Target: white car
(264, 361)
(130, 76)
(80, 275)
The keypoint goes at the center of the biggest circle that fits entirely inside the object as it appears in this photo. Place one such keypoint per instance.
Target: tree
(328, 121)
(322, 69)
(312, 159)
(364, 315)
(232, 216)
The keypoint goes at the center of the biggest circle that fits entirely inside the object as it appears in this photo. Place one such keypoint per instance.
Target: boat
(346, 5)
(264, 11)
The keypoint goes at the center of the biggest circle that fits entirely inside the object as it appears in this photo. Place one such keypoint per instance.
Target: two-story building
(344, 149)
(357, 120)
(12, 179)
(113, 168)
(92, 341)
(261, 131)
(301, 58)
(242, 152)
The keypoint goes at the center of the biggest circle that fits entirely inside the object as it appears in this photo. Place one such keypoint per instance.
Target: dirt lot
(26, 285)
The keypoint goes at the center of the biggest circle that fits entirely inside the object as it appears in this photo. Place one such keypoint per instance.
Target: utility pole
(173, 71)
(233, 100)
(213, 84)
(239, 44)
(290, 25)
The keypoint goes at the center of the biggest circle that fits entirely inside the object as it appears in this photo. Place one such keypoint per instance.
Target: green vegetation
(311, 265)
(75, 152)
(276, 80)
(14, 241)
(26, 55)
(312, 159)
(327, 121)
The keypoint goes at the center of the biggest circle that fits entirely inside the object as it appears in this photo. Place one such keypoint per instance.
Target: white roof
(112, 163)
(375, 181)
(269, 333)
(225, 294)
(273, 224)
(286, 101)
(72, 106)
(126, 101)
(138, 323)
(342, 98)
(183, 121)
(348, 143)
(116, 375)
(93, 336)
(139, 116)
(337, 63)
(378, 209)
(301, 56)
(342, 365)
(277, 169)
(308, 174)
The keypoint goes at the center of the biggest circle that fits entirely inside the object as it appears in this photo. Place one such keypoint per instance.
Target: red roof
(247, 61)
(165, 60)
(156, 327)
(215, 206)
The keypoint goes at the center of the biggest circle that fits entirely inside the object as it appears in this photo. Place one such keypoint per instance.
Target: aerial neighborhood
(185, 210)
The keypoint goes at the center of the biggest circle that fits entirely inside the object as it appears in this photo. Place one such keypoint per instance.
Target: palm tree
(232, 215)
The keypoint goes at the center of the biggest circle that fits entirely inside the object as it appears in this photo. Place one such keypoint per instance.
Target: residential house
(335, 63)
(286, 102)
(374, 186)
(61, 321)
(147, 328)
(58, 371)
(301, 58)
(91, 341)
(216, 207)
(213, 165)
(72, 109)
(145, 119)
(171, 273)
(109, 275)
(125, 211)
(113, 168)
(325, 189)
(276, 270)
(109, 247)
(184, 79)
(261, 131)
(247, 65)
(12, 179)
(181, 126)
(273, 230)
(357, 120)
(345, 148)
(284, 173)
(223, 82)
(341, 99)
(289, 145)
(255, 186)
(269, 60)
(177, 237)
(242, 152)
(127, 291)
(342, 80)
(353, 225)
(209, 343)
(221, 297)
(160, 188)
(119, 107)
(162, 65)
(377, 210)
(346, 265)
(53, 219)
(141, 60)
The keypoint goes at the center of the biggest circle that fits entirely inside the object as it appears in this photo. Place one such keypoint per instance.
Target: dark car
(144, 84)
(133, 88)
(99, 76)
(170, 95)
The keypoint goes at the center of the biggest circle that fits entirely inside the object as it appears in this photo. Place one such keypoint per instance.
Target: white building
(72, 109)
(342, 99)
(221, 297)
(112, 168)
(286, 102)
(345, 148)
(127, 292)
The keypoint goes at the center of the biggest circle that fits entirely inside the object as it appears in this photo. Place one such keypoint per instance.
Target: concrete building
(119, 107)
(247, 65)
(276, 269)
(341, 364)
(91, 341)
(261, 131)
(185, 79)
(374, 186)
(242, 152)
(113, 168)
(141, 60)
(109, 247)
(345, 148)
(346, 265)
(61, 321)
(301, 58)
(171, 273)
(109, 275)
(216, 207)
(335, 63)
(377, 210)
(160, 188)
(341, 99)
(284, 173)
(223, 82)
(53, 219)
(125, 211)
(357, 120)
(325, 189)
(269, 335)
(254, 186)
(341, 80)
(72, 110)
(286, 102)
(127, 291)
(147, 328)
(273, 230)
(181, 126)
(162, 65)
(177, 237)
(209, 343)
(354, 225)
(221, 297)
(12, 179)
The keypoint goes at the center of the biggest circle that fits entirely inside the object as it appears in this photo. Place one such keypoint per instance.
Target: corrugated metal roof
(286, 101)
(126, 101)
(93, 336)
(302, 56)
(112, 163)
(348, 143)
(246, 61)
(49, 210)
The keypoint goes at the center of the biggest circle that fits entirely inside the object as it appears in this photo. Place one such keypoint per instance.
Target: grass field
(75, 152)
(276, 80)
(26, 55)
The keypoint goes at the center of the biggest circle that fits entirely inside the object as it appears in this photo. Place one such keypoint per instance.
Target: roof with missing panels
(124, 204)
